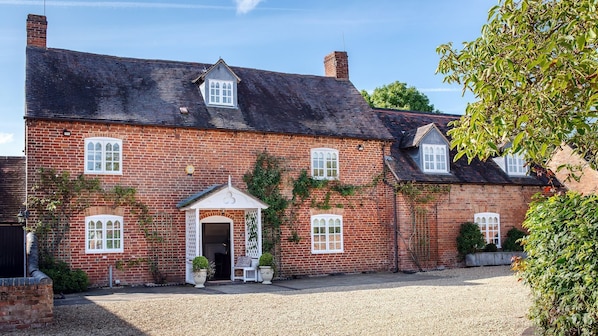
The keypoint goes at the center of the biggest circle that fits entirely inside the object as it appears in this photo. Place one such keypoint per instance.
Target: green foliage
(397, 95)
(64, 280)
(513, 242)
(562, 264)
(490, 248)
(264, 183)
(200, 262)
(470, 239)
(534, 72)
(303, 185)
(266, 259)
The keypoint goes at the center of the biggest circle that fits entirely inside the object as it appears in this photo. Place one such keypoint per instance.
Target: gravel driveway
(468, 301)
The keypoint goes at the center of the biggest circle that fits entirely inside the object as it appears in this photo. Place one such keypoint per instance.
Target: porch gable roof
(221, 196)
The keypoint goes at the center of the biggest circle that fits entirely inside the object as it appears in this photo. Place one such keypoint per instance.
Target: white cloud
(246, 6)
(6, 138)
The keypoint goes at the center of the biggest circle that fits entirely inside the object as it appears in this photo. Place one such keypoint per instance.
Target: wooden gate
(12, 251)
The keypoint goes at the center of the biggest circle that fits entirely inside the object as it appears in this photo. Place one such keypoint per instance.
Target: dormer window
(218, 85)
(516, 165)
(221, 92)
(434, 158)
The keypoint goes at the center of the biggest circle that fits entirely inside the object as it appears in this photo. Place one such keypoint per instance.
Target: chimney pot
(336, 64)
(36, 30)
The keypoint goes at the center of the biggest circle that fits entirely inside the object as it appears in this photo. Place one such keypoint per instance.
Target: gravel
(467, 301)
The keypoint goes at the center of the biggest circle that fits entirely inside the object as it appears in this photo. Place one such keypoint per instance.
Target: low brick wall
(25, 303)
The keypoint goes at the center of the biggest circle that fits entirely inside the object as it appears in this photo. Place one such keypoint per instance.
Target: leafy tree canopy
(534, 73)
(397, 95)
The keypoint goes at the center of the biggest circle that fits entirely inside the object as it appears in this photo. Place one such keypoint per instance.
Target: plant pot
(200, 278)
(267, 274)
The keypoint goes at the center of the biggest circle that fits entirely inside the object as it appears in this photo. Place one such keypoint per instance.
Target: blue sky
(386, 40)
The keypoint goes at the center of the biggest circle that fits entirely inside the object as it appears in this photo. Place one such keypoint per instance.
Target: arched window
(103, 234)
(326, 233)
(103, 156)
(324, 163)
(489, 223)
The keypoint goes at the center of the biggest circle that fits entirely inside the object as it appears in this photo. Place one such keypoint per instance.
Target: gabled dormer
(429, 148)
(218, 85)
(513, 164)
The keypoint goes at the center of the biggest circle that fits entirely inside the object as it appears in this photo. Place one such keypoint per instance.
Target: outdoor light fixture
(190, 170)
(66, 132)
(22, 216)
(360, 147)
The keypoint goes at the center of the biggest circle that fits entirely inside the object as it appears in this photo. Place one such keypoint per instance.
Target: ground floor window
(326, 233)
(103, 234)
(489, 223)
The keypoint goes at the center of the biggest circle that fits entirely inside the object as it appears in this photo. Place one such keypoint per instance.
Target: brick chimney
(36, 30)
(336, 64)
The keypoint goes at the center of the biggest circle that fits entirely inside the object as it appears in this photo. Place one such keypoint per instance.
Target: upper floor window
(435, 158)
(516, 164)
(221, 92)
(326, 233)
(103, 156)
(324, 163)
(103, 234)
(489, 223)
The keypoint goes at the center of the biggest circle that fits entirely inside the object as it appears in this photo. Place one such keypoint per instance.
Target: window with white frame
(489, 224)
(324, 163)
(221, 92)
(326, 233)
(516, 164)
(103, 234)
(434, 158)
(103, 156)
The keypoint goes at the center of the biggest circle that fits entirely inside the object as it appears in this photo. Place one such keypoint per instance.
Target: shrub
(513, 242)
(470, 239)
(200, 262)
(490, 248)
(266, 259)
(562, 264)
(65, 280)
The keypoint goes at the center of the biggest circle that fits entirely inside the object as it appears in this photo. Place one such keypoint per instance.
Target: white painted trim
(231, 226)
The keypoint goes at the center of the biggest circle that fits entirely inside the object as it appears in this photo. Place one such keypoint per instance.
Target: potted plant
(266, 266)
(200, 271)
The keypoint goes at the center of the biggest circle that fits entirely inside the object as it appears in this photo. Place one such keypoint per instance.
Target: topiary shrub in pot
(470, 239)
(266, 267)
(200, 271)
(490, 248)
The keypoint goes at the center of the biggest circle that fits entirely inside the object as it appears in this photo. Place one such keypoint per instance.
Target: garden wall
(25, 303)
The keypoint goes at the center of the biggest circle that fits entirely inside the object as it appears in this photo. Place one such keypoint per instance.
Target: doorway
(12, 251)
(216, 247)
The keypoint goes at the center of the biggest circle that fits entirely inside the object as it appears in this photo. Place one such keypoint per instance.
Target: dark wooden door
(12, 251)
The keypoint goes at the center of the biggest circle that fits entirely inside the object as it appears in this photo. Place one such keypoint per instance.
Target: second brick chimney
(36, 30)
(336, 64)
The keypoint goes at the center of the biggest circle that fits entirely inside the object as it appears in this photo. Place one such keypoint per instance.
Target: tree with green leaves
(397, 95)
(534, 73)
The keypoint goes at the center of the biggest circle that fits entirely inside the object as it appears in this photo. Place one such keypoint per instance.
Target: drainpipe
(394, 207)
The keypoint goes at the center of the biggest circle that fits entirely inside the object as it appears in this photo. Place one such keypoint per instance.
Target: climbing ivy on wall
(57, 197)
(419, 197)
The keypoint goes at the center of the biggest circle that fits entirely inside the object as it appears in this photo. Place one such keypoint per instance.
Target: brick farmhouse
(183, 135)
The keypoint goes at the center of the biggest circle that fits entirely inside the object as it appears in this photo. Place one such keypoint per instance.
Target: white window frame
(220, 92)
(91, 234)
(434, 158)
(325, 164)
(489, 224)
(326, 242)
(105, 158)
(515, 164)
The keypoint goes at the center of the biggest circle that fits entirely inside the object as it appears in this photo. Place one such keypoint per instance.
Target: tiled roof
(70, 85)
(12, 187)
(404, 124)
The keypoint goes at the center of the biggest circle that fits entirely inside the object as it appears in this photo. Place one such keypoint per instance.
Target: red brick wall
(459, 206)
(25, 303)
(154, 161)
